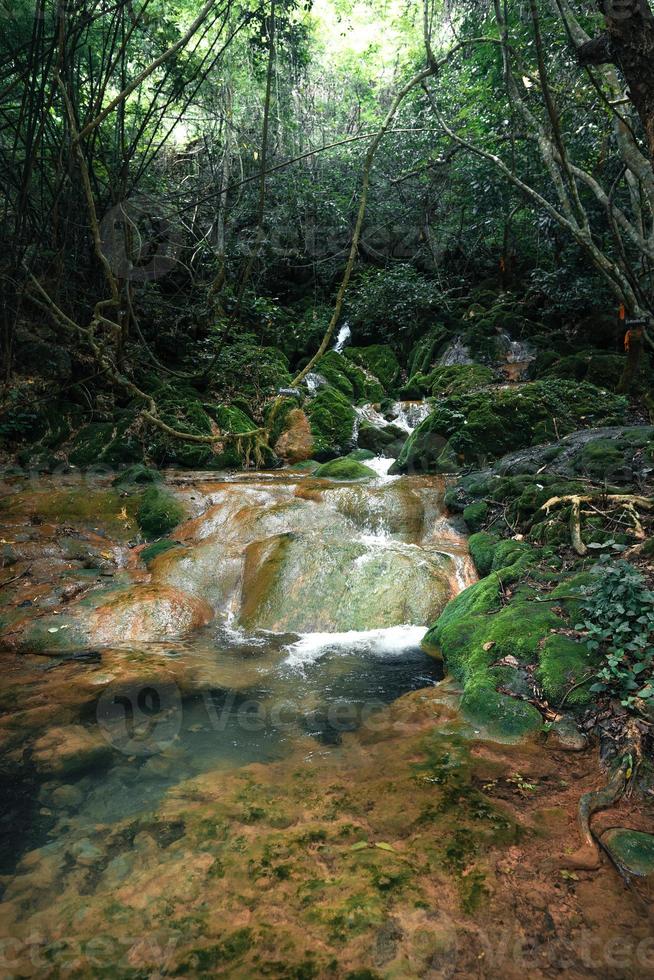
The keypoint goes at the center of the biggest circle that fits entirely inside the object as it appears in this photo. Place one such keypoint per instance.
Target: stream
(288, 611)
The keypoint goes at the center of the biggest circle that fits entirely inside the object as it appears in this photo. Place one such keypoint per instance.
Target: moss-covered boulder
(345, 468)
(475, 514)
(485, 643)
(137, 475)
(632, 850)
(564, 664)
(159, 512)
(486, 424)
(379, 363)
(424, 353)
(597, 367)
(381, 440)
(110, 444)
(451, 379)
(355, 383)
(332, 423)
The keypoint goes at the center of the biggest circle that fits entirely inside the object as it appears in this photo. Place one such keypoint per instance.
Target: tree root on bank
(629, 503)
(588, 856)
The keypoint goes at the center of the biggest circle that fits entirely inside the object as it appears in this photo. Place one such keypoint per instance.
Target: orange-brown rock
(295, 445)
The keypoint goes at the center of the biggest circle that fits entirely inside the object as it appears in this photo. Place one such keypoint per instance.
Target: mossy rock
(380, 363)
(137, 475)
(159, 512)
(563, 663)
(361, 455)
(306, 466)
(476, 631)
(381, 440)
(350, 379)
(475, 514)
(276, 416)
(482, 549)
(632, 850)
(600, 458)
(498, 714)
(152, 551)
(597, 367)
(424, 353)
(345, 468)
(332, 423)
(454, 379)
(483, 425)
(105, 443)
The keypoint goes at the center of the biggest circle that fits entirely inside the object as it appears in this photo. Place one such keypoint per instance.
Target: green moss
(345, 468)
(482, 548)
(159, 512)
(379, 361)
(632, 850)
(332, 423)
(475, 514)
(137, 475)
(600, 458)
(498, 713)
(361, 455)
(276, 416)
(348, 378)
(563, 664)
(457, 379)
(597, 367)
(487, 424)
(377, 439)
(108, 443)
(425, 351)
(475, 631)
(152, 551)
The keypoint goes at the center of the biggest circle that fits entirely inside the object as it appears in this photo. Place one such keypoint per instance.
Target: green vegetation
(159, 512)
(345, 468)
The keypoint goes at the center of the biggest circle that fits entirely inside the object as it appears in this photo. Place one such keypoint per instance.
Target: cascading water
(283, 591)
(343, 338)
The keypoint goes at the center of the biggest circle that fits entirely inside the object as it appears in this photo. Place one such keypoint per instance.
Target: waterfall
(343, 338)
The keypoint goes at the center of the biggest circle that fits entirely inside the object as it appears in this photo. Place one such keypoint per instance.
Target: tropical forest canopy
(196, 196)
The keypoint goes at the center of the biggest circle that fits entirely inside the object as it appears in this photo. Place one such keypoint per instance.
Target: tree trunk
(629, 44)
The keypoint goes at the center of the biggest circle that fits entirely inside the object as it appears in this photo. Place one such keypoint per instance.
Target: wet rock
(69, 749)
(295, 444)
(565, 735)
(86, 853)
(345, 468)
(301, 585)
(632, 850)
(146, 614)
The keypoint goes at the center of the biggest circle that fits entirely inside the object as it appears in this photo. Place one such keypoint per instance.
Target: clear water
(280, 695)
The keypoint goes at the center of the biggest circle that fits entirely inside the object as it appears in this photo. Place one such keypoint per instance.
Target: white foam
(380, 464)
(391, 642)
(344, 336)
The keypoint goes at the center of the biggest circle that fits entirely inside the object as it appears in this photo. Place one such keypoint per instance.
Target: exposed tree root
(620, 783)
(609, 502)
